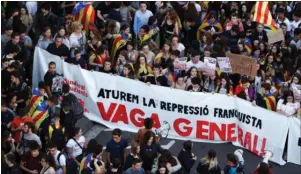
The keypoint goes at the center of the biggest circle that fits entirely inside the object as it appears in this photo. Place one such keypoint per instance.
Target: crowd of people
(157, 43)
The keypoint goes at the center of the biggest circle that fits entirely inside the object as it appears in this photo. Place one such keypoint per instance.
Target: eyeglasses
(289, 97)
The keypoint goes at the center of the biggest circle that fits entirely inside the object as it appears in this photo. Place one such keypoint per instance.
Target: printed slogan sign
(118, 102)
(224, 64)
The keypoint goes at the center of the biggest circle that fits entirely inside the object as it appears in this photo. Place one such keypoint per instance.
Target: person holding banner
(244, 90)
(142, 69)
(287, 105)
(265, 98)
(156, 78)
(195, 85)
(224, 87)
(192, 72)
(128, 71)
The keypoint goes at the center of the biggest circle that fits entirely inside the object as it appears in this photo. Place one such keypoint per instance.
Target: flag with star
(38, 109)
(84, 13)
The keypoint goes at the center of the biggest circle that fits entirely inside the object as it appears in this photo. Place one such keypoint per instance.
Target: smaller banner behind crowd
(117, 102)
(293, 150)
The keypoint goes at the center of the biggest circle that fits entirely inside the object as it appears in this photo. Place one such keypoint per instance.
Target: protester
(287, 105)
(27, 136)
(58, 48)
(116, 149)
(71, 100)
(18, 124)
(75, 147)
(135, 150)
(231, 165)
(186, 157)
(148, 125)
(56, 133)
(31, 161)
(59, 158)
(48, 164)
(10, 160)
(158, 43)
(136, 167)
(209, 164)
(7, 143)
(7, 116)
(149, 150)
(45, 39)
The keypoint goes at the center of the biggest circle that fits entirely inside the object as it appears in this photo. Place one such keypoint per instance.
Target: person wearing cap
(282, 19)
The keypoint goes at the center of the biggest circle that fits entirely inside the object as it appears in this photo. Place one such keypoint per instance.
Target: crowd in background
(145, 41)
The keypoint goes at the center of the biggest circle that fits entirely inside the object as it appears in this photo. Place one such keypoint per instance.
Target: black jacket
(62, 50)
(49, 20)
(186, 161)
(256, 34)
(160, 80)
(204, 169)
(10, 47)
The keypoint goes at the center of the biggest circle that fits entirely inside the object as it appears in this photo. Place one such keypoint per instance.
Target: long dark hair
(298, 76)
(49, 159)
(60, 28)
(189, 72)
(137, 65)
(5, 136)
(166, 157)
(287, 93)
(228, 86)
(162, 165)
(130, 68)
(263, 168)
(147, 136)
(187, 145)
(26, 10)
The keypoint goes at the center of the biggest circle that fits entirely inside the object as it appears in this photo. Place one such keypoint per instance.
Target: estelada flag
(38, 109)
(84, 13)
(119, 41)
(263, 15)
(207, 25)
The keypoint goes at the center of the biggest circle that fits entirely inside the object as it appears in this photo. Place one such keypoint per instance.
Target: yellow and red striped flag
(270, 103)
(263, 15)
(84, 13)
(38, 109)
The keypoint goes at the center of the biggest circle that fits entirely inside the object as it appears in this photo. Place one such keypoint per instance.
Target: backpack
(232, 170)
(58, 160)
(58, 137)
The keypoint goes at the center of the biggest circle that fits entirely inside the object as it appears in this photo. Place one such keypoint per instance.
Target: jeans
(72, 167)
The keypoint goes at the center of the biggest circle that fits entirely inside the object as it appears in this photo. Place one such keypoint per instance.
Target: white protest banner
(209, 66)
(118, 102)
(224, 64)
(293, 150)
